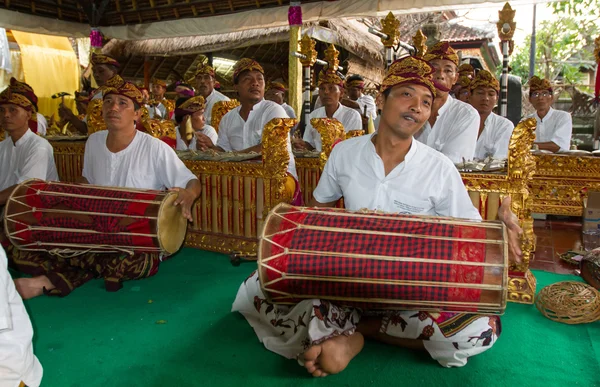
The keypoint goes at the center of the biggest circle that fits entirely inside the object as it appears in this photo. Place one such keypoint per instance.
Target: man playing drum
(387, 171)
(122, 157)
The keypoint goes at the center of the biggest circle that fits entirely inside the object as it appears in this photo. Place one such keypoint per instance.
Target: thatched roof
(349, 34)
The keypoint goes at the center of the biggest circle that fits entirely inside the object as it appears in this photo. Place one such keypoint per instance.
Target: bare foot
(333, 355)
(32, 287)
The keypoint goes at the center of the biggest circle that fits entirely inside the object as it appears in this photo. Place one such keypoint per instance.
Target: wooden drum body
(384, 261)
(67, 218)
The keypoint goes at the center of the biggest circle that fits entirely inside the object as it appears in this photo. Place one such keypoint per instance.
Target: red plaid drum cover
(383, 261)
(66, 218)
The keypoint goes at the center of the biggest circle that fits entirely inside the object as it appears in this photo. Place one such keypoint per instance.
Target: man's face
(13, 117)
(353, 92)
(205, 84)
(119, 112)
(406, 109)
(146, 96)
(446, 72)
(198, 119)
(251, 86)
(330, 94)
(484, 99)
(158, 91)
(541, 100)
(102, 73)
(274, 95)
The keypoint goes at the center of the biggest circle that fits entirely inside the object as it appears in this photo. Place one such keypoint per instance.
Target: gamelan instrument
(383, 261)
(68, 219)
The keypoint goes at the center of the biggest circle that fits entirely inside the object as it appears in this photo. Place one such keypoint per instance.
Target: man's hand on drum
(186, 198)
(515, 232)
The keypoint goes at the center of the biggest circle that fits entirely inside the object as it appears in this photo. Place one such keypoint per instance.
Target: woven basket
(569, 302)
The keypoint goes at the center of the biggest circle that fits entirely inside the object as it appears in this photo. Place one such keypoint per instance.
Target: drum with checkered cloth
(69, 219)
(383, 261)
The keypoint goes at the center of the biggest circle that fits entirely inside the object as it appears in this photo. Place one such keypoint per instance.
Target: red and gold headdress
(101, 59)
(204, 68)
(360, 84)
(126, 89)
(190, 106)
(464, 81)
(485, 79)
(20, 94)
(441, 50)
(246, 64)
(330, 76)
(467, 70)
(276, 86)
(538, 84)
(159, 82)
(410, 70)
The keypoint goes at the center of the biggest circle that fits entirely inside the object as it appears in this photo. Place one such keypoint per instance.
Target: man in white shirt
(331, 89)
(355, 84)
(189, 116)
(241, 129)
(275, 92)
(120, 156)
(494, 130)
(160, 106)
(23, 154)
(18, 365)
(104, 68)
(205, 86)
(554, 127)
(391, 172)
(453, 125)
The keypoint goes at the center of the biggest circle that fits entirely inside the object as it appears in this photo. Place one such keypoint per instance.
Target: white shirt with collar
(425, 183)
(147, 163)
(158, 111)
(369, 102)
(349, 118)
(289, 110)
(235, 134)
(207, 130)
(42, 124)
(494, 138)
(556, 126)
(210, 101)
(454, 132)
(17, 361)
(32, 157)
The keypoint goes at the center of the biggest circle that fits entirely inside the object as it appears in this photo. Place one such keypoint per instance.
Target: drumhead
(172, 226)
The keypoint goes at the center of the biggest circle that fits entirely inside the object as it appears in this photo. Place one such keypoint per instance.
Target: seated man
(120, 156)
(386, 171)
(23, 155)
(554, 127)
(189, 116)
(452, 126)
(205, 85)
(275, 92)
(355, 85)
(494, 130)
(241, 129)
(160, 107)
(18, 365)
(104, 68)
(331, 89)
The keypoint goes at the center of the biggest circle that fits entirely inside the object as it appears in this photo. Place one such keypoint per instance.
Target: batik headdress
(159, 82)
(485, 79)
(246, 64)
(330, 76)
(538, 84)
(204, 68)
(126, 89)
(20, 94)
(101, 59)
(441, 50)
(466, 69)
(276, 86)
(358, 83)
(410, 70)
(190, 106)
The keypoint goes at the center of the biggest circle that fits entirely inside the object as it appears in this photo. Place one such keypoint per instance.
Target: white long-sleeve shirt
(210, 101)
(494, 138)
(454, 132)
(369, 102)
(349, 118)
(557, 127)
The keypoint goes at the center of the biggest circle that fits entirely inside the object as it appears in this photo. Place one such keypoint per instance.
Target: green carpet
(95, 338)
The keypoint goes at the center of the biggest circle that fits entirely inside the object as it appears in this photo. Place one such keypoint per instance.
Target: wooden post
(146, 72)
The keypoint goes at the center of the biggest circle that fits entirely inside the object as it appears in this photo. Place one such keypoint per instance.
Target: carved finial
(307, 48)
(331, 56)
(391, 27)
(419, 43)
(432, 31)
(506, 25)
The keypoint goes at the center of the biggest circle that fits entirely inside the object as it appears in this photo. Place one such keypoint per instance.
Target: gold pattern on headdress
(419, 44)
(127, 89)
(441, 50)
(159, 82)
(391, 27)
(329, 76)
(485, 79)
(193, 104)
(464, 81)
(101, 59)
(10, 97)
(538, 84)
(355, 83)
(204, 68)
(467, 70)
(409, 70)
(247, 64)
(276, 85)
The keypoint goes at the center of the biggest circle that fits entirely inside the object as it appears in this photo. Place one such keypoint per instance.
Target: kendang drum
(64, 218)
(383, 261)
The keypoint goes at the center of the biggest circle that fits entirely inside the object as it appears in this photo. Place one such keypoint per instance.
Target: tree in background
(564, 45)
